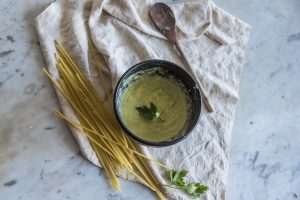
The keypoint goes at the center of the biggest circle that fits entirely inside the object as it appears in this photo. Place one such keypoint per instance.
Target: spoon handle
(207, 103)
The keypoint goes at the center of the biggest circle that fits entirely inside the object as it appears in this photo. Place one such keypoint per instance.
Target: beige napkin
(213, 41)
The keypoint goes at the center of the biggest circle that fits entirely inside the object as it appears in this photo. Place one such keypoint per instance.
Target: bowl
(161, 68)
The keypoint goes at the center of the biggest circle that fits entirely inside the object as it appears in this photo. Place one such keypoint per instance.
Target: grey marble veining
(39, 158)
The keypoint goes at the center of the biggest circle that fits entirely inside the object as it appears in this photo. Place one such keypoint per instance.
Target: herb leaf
(153, 107)
(145, 112)
(195, 189)
(177, 180)
(149, 113)
(176, 177)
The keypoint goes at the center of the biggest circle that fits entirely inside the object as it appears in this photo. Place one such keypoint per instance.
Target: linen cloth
(214, 42)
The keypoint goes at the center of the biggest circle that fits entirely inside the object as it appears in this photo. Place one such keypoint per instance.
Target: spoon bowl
(164, 20)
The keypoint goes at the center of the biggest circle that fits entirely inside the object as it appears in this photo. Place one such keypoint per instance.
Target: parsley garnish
(150, 112)
(177, 182)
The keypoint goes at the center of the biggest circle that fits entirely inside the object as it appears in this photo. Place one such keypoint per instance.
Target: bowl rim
(130, 133)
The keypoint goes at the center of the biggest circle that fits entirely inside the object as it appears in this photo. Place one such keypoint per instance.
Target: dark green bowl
(168, 68)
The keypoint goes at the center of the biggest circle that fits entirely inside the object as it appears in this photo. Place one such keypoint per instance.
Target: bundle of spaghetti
(114, 149)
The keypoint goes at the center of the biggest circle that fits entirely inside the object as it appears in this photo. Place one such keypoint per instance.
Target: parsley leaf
(195, 189)
(149, 113)
(176, 177)
(177, 182)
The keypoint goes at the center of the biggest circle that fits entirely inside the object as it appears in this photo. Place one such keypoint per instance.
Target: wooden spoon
(165, 22)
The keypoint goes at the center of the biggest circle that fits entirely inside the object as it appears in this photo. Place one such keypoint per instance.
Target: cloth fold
(136, 14)
(213, 41)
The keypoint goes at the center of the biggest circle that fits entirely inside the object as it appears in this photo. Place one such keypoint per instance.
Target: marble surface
(39, 158)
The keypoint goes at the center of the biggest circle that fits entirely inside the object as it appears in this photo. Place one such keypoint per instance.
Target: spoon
(164, 20)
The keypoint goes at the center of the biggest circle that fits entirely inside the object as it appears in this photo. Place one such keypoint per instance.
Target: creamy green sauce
(171, 101)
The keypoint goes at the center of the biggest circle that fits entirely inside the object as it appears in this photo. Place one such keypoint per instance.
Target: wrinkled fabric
(214, 42)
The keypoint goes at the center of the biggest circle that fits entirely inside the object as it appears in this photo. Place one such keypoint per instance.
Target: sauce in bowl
(157, 103)
(170, 98)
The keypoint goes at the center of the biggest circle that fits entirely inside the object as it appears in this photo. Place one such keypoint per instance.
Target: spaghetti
(114, 149)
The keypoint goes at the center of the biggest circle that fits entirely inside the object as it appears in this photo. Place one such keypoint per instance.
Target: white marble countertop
(39, 158)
